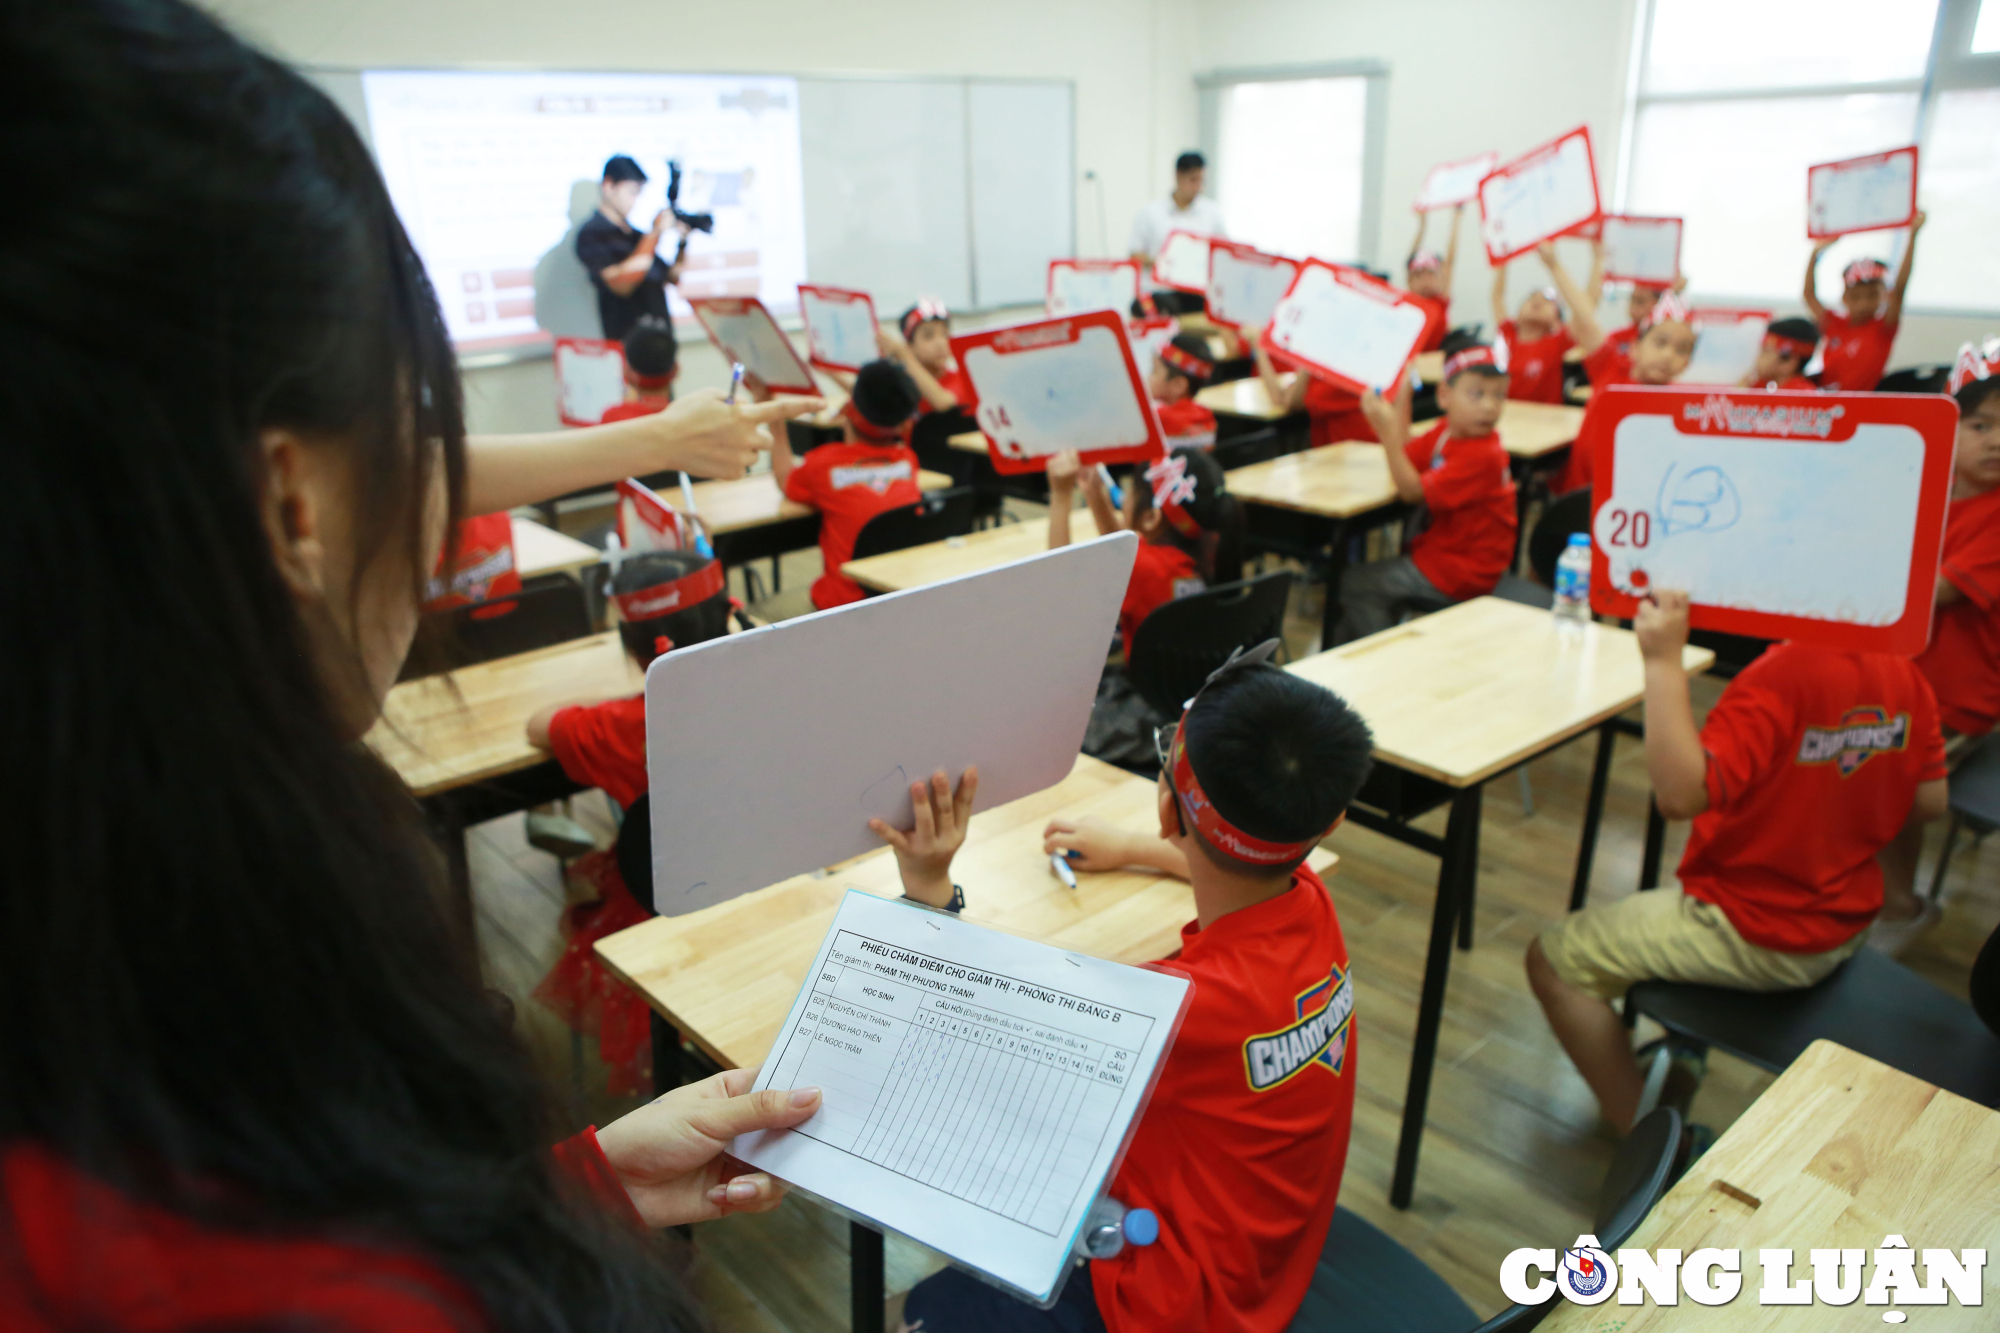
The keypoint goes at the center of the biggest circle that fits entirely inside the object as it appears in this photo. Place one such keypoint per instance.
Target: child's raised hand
(1546, 252)
(923, 855)
(1064, 469)
(1662, 626)
(890, 344)
(1376, 408)
(1917, 220)
(1096, 845)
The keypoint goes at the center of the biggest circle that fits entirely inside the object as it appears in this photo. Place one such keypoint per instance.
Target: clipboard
(1452, 183)
(840, 327)
(1182, 262)
(745, 331)
(1348, 329)
(590, 379)
(1870, 193)
(1055, 384)
(1546, 192)
(1642, 250)
(1245, 284)
(1786, 515)
(1077, 285)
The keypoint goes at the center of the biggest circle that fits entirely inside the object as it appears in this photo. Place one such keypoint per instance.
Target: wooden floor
(1514, 1153)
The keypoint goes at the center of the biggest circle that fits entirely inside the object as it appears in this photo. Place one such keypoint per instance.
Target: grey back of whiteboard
(769, 751)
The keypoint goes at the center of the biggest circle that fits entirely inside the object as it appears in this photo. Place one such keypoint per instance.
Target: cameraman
(624, 265)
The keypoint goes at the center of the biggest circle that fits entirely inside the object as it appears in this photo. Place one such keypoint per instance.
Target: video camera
(692, 221)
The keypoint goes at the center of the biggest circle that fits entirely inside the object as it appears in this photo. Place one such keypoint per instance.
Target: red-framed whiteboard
(1784, 515)
(1182, 262)
(1077, 285)
(590, 379)
(1642, 250)
(1348, 329)
(1449, 184)
(840, 325)
(1546, 192)
(1245, 284)
(746, 332)
(1872, 193)
(1070, 382)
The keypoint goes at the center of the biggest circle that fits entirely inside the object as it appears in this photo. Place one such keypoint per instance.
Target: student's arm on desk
(1282, 398)
(923, 855)
(1675, 760)
(1392, 427)
(1102, 846)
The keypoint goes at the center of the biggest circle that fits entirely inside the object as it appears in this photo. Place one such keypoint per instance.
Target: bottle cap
(1142, 1227)
(1579, 539)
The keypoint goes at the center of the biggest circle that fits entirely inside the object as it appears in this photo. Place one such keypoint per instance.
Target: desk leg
(1465, 903)
(865, 1281)
(1593, 813)
(1336, 565)
(667, 1071)
(1656, 837)
(1456, 869)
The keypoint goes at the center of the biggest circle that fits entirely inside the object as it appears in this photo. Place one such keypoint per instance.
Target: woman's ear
(293, 507)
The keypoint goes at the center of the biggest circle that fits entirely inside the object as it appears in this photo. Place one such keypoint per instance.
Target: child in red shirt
(1458, 470)
(1807, 768)
(481, 560)
(922, 346)
(1179, 372)
(1240, 1152)
(1427, 276)
(1334, 413)
(651, 363)
(851, 482)
(1535, 339)
(1190, 528)
(1781, 360)
(1858, 341)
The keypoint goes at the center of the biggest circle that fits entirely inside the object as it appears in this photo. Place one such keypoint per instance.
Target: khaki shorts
(1664, 935)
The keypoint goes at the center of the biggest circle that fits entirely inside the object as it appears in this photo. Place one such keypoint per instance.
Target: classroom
(1229, 666)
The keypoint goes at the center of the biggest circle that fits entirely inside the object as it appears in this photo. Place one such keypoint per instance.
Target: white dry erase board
(979, 1089)
(1150, 336)
(745, 331)
(1861, 194)
(1642, 250)
(1245, 284)
(1182, 262)
(768, 751)
(1783, 515)
(1056, 384)
(1348, 328)
(1540, 195)
(590, 379)
(1725, 345)
(1077, 285)
(1452, 183)
(840, 327)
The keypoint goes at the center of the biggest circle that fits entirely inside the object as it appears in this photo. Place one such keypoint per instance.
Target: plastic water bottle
(1111, 1226)
(1572, 606)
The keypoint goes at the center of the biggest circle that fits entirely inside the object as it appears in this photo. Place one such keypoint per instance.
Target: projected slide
(481, 165)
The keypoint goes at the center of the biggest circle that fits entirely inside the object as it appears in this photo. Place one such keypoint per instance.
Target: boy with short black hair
(1858, 340)
(1240, 1151)
(1183, 367)
(1808, 767)
(1459, 471)
(1781, 359)
(849, 483)
(652, 356)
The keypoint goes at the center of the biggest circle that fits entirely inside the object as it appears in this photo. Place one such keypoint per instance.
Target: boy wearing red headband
(922, 346)
(1178, 373)
(1858, 341)
(1428, 276)
(1788, 346)
(651, 363)
(850, 483)
(1458, 470)
(1535, 340)
(1240, 1151)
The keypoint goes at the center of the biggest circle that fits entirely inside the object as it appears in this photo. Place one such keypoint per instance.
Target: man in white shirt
(1186, 209)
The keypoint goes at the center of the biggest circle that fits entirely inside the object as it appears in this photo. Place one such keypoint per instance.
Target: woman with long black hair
(247, 1073)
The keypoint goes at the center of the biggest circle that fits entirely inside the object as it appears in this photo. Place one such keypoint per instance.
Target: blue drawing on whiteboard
(1704, 499)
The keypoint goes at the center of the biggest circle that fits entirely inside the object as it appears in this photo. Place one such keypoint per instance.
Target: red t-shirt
(1241, 1148)
(850, 484)
(81, 1254)
(1962, 662)
(1606, 366)
(484, 567)
(959, 385)
(643, 407)
(1470, 495)
(1854, 355)
(1535, 369)
(1336, 414)
(1186, 424)
(1814, 757)
(604, 746)
(1624, 340)
(1443, 311)
(1161, 573)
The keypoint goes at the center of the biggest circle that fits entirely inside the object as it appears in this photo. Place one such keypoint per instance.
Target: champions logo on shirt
(472, 581)
(1319, 1037)
(1862, 732)
(877, 477)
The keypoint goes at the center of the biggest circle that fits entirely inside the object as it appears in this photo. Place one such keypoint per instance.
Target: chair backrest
(1638, 1176)
(1915, 379)
(634, 850)
(1181, 642)
(1254, 446)
(938, 515)
(1560, 517)
(549, 609)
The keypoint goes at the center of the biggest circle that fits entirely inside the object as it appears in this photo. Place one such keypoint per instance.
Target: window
(1721, 132)
(1285, 190)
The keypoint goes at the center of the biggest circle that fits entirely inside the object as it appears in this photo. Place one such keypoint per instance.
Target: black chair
(939, 515)
(1366, 1281)
(1871, 1004)
(1257, 446)
(1915, 379)
(634, 850)
(1181, 642)
(1560, 517)
(1514, 588)
(1975, 801)
(547, 610)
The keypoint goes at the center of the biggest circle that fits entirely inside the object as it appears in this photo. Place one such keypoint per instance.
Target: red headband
(675, 595)
(923, 312)
(1864, 270)
(1477, 355)
(1974, 363)
(1669, 306)
(868, 430)
(651, 381)
(1799, 347)
(1218, 832)
(1423, 261)
(1172, 487)
(1186, 363)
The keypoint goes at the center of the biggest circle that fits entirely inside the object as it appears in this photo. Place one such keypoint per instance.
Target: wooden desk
(1457, 698)
(1530, 430)
(755, 501)
(937, 561)
(1840, 1151)
(968, 442)
(1242, 398)
(1429, 366)
(542, 550)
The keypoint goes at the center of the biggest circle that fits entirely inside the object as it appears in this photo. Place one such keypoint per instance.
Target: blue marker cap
(1142, 1226)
